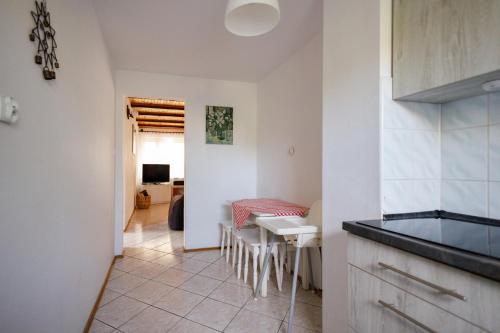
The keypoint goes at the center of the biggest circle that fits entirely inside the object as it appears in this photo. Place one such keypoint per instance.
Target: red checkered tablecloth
(242, 209)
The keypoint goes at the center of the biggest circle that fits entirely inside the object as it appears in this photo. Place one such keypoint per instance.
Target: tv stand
(160, 192)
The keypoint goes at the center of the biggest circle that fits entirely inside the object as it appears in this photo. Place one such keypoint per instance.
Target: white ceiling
(188, 37)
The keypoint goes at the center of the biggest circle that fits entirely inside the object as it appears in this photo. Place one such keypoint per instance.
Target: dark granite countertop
(481, 260)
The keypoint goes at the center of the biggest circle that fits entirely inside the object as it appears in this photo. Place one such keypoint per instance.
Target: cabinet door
(439, 43)
(376, 306)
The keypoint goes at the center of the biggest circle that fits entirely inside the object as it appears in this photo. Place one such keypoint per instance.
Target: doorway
(153, 163)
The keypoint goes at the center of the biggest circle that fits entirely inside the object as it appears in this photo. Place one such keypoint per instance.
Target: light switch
(9, 110)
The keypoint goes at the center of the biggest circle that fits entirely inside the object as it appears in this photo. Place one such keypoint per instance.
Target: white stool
(226, 228)
(250, 238)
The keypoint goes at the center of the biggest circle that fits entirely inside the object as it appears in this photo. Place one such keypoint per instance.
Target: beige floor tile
(128, 264)
(179, 302)
(151, 244)
(233, 279)
(169, 260)
(151, 320)
(108, 296)
(214, 314)
(231, 294)
(149, 270)
(150, 292)
(166, 248)
(251, 322)
(309, 297)
(125, 283)
(173, 277)
(200, 285)
(115, 273)
(296, 329)
(132, 250)
(187, 326)
(192, 265)
(119, 311)
(149, 255)
(179, 251)
(307, 316)
(208, 256)
(218, 270)
(272, 306)
(99, 327)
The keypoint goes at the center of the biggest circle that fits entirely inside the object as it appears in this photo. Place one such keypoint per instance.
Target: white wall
(214, 173)
(289, 115)
(129, 166)
(56, 179)
(351, 139)
(471, 156)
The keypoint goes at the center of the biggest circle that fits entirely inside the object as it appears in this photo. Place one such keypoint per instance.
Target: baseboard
(202, 249)
(99, 297)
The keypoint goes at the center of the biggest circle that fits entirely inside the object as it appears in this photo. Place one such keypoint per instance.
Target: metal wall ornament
(43, 34)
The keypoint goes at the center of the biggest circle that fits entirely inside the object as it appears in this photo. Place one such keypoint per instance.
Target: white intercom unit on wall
(9, 110)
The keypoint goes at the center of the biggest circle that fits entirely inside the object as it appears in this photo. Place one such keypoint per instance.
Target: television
(155, 173)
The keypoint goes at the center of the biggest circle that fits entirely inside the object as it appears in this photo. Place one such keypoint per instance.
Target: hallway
(157, 287)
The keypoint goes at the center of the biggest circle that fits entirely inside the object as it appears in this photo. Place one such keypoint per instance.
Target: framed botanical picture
(219, 125)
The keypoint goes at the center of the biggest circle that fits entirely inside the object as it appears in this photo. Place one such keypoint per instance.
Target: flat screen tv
(155, 173)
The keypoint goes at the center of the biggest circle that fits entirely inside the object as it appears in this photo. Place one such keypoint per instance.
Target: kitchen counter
(439, 236)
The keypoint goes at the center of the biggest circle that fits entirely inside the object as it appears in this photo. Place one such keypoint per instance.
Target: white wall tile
(408, 115)
(398, 155)
(465, 197)
(398, 196)
(465, 113)
(494, 200)
(427, 195)
(426, 151)
(494, 155)
(495, 108)
(465, 154)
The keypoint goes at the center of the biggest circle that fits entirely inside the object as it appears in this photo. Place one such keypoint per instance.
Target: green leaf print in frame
(219, 128)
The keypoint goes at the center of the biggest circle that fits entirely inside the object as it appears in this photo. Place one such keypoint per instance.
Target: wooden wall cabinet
(444, 50)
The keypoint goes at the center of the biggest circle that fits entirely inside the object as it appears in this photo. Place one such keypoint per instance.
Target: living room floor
(157, 287)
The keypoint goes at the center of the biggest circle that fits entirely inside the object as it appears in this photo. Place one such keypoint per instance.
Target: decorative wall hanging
(219, 125)
(43, 34)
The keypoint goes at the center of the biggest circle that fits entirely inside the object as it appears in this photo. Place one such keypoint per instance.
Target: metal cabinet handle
(440, 289)
(405, 316)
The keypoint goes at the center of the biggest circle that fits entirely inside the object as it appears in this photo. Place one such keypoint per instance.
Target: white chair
(250, 239)
(299, 232)
(226, 228)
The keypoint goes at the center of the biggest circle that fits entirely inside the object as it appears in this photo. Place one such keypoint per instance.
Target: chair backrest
(315, 216)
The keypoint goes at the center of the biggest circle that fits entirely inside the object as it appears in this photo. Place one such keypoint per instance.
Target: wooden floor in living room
(155, 214)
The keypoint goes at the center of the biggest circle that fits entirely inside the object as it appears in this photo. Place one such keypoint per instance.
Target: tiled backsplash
(471, 156)
(441, 156)
(411, 164)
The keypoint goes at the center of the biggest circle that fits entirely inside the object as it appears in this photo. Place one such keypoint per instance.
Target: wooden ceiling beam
(156, 103)
(161, 129)
(160, 118)
(159, 124)
(158, 112)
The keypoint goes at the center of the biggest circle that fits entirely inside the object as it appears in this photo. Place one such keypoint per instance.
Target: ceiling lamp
(252, 17)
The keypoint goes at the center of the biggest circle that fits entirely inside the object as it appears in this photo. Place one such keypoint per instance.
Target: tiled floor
(157, 287)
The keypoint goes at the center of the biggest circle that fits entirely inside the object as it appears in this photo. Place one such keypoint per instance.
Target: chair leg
(281, 251)
(276, 266)
(255, 264)
(228, 247)
(235, 246)
(245, 272)
(288, 260)
(222, 241)
(240, 250)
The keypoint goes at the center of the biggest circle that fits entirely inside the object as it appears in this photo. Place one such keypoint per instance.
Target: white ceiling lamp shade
(250, 18)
